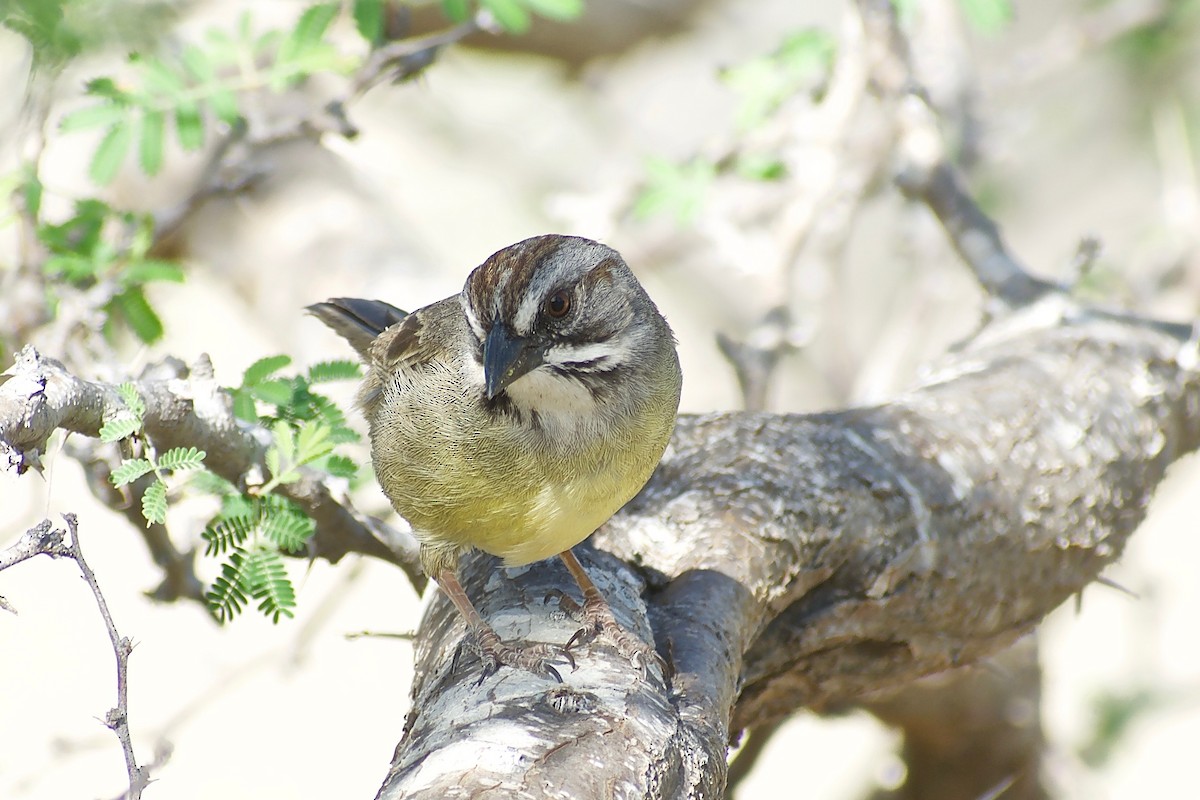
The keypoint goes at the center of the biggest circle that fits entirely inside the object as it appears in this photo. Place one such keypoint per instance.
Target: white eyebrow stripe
(523, 322)
(472, 320)
(584, 353)
(535, 293)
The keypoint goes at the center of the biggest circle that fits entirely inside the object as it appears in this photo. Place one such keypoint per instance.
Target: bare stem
(117, 719)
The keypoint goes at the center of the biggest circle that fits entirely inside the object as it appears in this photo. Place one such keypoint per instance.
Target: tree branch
(45, 539)
(804, 561)
(810, 561)
(117, 719)
(183, 409)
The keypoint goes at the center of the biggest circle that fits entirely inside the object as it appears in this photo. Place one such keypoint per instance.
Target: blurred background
(731, 152)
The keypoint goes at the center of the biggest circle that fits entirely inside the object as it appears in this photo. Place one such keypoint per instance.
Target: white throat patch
(547, 392)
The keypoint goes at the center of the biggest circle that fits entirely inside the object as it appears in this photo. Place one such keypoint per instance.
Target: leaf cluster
(60, 30)
(252, 534)
(100, 246)
(514, 16)
(253, 531)
(128, 424)
(801, 65)
(201, 83)
(304, 420)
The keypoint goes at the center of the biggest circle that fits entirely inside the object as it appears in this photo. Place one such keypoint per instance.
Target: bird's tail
(356, 320)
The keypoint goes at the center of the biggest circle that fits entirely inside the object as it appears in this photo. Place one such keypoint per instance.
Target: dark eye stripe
(601, 364)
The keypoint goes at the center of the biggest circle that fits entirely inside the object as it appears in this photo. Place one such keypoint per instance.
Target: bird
(516, 417)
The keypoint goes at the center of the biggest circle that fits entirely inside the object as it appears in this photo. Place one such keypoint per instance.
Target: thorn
(1110, 583)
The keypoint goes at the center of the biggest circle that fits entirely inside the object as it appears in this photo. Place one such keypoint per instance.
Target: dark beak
(506, 357)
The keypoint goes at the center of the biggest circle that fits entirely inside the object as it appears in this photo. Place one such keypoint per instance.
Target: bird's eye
(558, 304)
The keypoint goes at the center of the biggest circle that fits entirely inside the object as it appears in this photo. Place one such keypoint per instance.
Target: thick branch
(187, 410)
(811, 560)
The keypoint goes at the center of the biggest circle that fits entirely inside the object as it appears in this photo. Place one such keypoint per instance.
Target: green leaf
(988, 16)
(130, 470)
(31, 192)
(326, 411)
(81, 234)
(243, 405)
(312, 442)
(303, 51)
(75, 269)
(327, 371)
(905, 9)
(224, 104)
(675, 189)
(456, 10)
(260, 369)
(556, 9)
(132, 399)
(107, 88)
(807, 53)
(137, 313)
(119, 428)
(311, 27)
(226, 598)
(160, 79)
(265, 578)
(341, 435)
(111, 152)
(339, 466)
(154, 503)
(221, 47)
(277, 392)
(267, 42)
(198, 64)
(147, 270)
(153, 135)
(101, 115)
(181, 458)
(760, 167)
(224, 535)
(802, 60)
(128, 421)
(141, 237)
(209, 482)
(368, 19)
(281, 456)
(189, 125)
(54, 40)
(289, 530)
(509, 13)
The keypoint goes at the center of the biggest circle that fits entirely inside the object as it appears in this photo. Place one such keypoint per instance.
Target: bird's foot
(536, 657)
(598, 622)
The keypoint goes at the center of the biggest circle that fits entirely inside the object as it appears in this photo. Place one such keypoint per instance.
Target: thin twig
(224, 175)
(117, 719)
(924, 172)
(398, 61)
(41, 539)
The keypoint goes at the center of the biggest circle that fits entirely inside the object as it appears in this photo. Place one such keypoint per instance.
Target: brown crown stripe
(520, 262)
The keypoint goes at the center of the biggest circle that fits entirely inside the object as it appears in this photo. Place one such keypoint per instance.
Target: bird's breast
(523, 484)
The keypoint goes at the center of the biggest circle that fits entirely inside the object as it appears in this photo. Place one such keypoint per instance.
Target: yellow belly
(465, 477)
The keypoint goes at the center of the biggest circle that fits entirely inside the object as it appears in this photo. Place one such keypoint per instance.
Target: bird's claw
(536, 657)
(597, 621)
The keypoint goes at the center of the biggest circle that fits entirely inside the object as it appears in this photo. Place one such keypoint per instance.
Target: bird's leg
(597, 618)
(532, 657)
